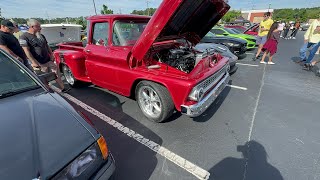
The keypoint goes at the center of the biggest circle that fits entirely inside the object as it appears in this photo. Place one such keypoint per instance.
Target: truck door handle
(88, 50)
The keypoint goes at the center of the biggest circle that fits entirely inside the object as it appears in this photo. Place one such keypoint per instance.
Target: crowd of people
(270, 33)
(30, 48)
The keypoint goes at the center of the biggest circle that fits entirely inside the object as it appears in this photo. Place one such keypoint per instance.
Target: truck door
(97, 53)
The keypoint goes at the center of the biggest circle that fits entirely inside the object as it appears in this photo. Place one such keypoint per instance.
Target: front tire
(154, 101)
(69, 76)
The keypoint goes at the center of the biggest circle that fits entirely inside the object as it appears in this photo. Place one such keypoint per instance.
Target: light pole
(94, 5)
(269, 8)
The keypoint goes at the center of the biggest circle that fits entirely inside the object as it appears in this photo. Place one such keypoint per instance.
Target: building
(255, 16)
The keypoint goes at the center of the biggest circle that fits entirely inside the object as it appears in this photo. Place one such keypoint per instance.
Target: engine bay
(183, 58)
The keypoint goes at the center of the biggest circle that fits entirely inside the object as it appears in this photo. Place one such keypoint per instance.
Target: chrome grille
(208, 83)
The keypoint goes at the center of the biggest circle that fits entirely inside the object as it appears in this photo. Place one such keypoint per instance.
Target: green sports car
(221, 31)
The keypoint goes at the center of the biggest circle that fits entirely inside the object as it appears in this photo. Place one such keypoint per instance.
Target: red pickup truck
(152, 59)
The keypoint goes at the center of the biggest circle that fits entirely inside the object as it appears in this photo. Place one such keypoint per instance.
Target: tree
(81, 21)
(148, 11)
(106, 10)
(231, 16)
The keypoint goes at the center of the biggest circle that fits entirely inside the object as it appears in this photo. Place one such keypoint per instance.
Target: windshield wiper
(14, 92)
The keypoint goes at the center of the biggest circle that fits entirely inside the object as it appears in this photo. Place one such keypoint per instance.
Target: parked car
(236, 45)
(241, 29)
(58, 33)
(252, 30)
(42, 136)
(304, 26)
(221, 49)
(221, 31)
(151, 59)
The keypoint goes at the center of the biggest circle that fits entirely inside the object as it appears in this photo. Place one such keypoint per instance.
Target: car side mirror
(47, 77)
(225, 34)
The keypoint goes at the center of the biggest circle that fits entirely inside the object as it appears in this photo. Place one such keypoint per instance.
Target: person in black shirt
(38, 51)
(10, 43)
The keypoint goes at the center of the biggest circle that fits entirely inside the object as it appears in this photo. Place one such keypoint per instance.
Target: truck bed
(76, 46)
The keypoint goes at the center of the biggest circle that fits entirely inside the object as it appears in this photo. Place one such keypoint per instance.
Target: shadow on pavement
(253, 165)
(295, 59)
(133, 159)
(207, 115)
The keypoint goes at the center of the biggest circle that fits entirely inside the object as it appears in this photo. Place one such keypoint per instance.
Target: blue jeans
(303, 51)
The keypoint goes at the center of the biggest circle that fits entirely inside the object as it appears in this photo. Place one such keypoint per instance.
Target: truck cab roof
(117, 16)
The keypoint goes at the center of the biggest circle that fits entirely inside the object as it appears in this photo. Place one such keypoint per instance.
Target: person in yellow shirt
(263, 32)
(311, 43)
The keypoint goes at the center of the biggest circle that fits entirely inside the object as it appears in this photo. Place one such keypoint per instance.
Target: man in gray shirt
(38, 51)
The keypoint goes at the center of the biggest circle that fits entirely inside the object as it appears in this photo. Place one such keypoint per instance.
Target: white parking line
(237, 87)
(250, 53)
(252, 65)
(176, 159)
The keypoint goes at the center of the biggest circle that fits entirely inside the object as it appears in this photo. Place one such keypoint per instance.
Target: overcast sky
(76, 8)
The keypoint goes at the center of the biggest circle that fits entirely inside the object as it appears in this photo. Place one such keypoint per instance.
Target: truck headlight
(196, 94)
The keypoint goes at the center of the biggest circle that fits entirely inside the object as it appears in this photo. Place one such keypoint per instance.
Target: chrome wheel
(150, 102)
(68, 75)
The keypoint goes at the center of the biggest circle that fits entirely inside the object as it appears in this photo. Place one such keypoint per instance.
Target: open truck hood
(190, 19)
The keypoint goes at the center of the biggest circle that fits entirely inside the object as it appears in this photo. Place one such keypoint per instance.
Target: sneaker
(65, 90)
(262, 62)
(294, 38)
(272, 63)
(307, 67)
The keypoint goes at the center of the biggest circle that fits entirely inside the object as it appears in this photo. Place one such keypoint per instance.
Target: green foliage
(148, 11)
(231, 16)
(106, 10)
(304, 14)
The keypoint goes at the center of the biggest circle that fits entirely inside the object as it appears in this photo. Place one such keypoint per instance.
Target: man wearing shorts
(311, 44)
(264, 27)
(38, 51)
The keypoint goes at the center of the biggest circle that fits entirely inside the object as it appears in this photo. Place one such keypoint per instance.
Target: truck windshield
(126, 33)
(13, 79)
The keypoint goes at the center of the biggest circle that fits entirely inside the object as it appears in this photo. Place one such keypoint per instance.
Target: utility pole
(269, 8)
(94, 5)
(48, 17)
(0, 14)
(148, 7)
(120, 11)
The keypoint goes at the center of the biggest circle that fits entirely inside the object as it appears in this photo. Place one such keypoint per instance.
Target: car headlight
(95, 154)
(232, 44)
(196, 94)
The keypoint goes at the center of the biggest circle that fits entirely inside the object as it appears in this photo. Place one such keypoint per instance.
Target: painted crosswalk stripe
(171, 156)
(237, 87)
(242, 64)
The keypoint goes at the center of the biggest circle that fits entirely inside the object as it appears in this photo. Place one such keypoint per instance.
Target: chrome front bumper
(197, 109)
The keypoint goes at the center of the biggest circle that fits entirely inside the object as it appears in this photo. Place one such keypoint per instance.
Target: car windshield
(126, 33)
(13, 79)
(210, 34)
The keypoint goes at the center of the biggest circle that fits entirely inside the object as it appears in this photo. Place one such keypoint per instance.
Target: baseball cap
(8, 24)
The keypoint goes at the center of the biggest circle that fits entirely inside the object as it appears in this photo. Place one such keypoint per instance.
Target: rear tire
(154, 101)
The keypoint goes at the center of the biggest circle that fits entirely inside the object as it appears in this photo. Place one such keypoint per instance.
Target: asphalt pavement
(264, 126)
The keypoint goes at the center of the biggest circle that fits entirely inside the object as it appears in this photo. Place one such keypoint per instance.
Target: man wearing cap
(11, 44)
